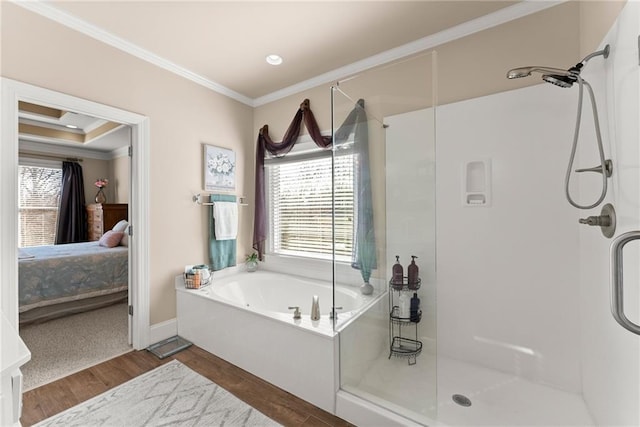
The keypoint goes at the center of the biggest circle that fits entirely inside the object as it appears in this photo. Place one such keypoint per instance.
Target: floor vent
(169, 346)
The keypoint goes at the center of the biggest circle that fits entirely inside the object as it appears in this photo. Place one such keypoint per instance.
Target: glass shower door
(384, 206)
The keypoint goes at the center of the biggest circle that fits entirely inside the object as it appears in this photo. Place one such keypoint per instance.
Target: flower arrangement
(101, 182)
(220, 164)
(252, 262)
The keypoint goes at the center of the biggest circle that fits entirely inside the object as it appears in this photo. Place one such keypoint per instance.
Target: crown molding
(510, 13)
(120, 152)
(48, 11)
(43, 146)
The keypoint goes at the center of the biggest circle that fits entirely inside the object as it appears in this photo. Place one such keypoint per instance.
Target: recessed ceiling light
(274, 59)
(72, 126)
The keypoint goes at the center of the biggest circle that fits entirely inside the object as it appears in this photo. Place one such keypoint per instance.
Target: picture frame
(219, 168)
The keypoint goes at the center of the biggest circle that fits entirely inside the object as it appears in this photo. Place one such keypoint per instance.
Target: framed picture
(219, 169)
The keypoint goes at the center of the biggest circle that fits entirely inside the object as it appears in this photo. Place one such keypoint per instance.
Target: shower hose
(603, 165)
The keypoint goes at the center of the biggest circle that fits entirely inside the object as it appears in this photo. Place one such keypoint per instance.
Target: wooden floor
(283, 407)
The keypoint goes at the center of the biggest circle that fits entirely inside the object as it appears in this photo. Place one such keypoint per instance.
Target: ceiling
(226, 43)
(40, 126)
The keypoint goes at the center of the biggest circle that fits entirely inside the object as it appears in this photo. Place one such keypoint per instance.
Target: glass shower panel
(384, 207)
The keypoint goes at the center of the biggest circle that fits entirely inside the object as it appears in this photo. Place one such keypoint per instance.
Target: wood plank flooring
(283, 407)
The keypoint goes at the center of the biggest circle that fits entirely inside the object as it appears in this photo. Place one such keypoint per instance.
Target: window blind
(38, 199)
(300, 194)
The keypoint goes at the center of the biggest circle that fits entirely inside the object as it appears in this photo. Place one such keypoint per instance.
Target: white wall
(610, 354)
(508, 274)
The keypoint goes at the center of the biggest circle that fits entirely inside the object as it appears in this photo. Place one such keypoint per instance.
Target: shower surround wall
(508, 273)
(610, 354)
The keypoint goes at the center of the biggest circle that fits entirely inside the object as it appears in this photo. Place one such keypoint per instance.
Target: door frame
(13, 91)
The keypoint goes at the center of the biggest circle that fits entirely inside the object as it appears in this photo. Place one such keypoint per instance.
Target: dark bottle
(412, 273)
(397, 274)
(415, 308)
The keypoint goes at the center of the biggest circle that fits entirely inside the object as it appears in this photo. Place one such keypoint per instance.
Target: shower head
(517, 73)
(557, 76)
(560, 81)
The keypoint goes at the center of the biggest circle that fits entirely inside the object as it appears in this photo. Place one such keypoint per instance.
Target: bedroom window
(39, 195)
(300, 205)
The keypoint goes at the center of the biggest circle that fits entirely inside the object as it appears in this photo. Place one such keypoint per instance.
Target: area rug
(170, 395)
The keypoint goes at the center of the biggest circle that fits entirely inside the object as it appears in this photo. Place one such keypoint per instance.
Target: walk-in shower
(515, 324)
(566, 79)
(499, 340)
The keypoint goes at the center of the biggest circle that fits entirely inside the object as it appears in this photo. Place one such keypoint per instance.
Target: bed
(59, 280)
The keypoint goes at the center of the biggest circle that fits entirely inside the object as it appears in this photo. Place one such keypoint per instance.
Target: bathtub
(244, 318)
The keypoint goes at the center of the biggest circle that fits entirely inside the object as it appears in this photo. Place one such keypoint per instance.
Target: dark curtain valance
(264, 144)
(356, 123)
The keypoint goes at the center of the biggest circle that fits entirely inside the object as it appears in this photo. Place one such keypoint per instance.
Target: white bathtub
(244, 319)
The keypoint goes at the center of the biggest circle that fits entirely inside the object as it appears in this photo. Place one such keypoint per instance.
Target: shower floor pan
(497, 399)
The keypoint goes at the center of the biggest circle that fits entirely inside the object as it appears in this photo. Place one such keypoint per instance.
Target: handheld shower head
(557, 76)
(517, 73)
(560, 81)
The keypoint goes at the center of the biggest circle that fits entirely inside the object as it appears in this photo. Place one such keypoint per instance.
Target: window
(39, 195)
(300, 193)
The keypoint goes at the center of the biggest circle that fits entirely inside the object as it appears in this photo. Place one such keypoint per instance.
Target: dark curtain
(364, 256)
(265, 143)
(72, 216)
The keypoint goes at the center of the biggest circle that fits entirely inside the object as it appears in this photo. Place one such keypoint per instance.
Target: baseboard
(163, 330)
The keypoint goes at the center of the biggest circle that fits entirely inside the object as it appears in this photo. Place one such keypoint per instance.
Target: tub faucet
(315, 308)
(296, 314)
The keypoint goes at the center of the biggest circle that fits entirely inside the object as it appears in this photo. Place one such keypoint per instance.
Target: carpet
(70, 344)
(170, 395)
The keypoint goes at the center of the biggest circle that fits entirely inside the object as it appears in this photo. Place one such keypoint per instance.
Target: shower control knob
(601, 221)
(606, 220)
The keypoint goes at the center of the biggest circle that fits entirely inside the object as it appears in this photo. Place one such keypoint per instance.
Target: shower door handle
(617, 301)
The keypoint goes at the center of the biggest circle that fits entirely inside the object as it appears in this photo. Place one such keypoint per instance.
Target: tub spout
(315, 308)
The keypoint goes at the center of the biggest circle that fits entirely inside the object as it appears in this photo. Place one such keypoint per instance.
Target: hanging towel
(225, 217)
(222, 253)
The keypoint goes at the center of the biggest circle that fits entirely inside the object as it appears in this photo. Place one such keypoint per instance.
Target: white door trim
(13, 91)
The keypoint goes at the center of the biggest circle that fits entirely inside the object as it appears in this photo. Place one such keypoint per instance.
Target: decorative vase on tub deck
(252, 262)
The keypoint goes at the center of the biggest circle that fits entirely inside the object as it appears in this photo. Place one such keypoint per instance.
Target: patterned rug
(170, 395)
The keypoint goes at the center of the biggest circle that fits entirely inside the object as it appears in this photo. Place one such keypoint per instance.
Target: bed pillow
(120, 226)
(111, 239)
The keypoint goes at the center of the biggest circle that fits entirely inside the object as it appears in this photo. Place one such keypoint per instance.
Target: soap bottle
(412, 273)
(415, 308)
(397, 274)
(404, 305)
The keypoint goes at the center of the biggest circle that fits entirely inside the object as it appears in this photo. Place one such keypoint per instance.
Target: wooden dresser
(102, 217)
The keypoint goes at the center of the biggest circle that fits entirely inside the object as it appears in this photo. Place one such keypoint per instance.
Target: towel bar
(198, 200)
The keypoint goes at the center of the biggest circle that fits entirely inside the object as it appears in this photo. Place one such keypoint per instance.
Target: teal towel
(222, 253)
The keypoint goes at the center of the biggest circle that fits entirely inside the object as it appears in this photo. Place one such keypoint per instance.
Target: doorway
(14, 92)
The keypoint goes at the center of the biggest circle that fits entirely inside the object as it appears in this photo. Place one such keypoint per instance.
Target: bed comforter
(61, 273)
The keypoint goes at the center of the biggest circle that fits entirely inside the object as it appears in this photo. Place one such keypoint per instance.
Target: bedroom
(73, 188)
